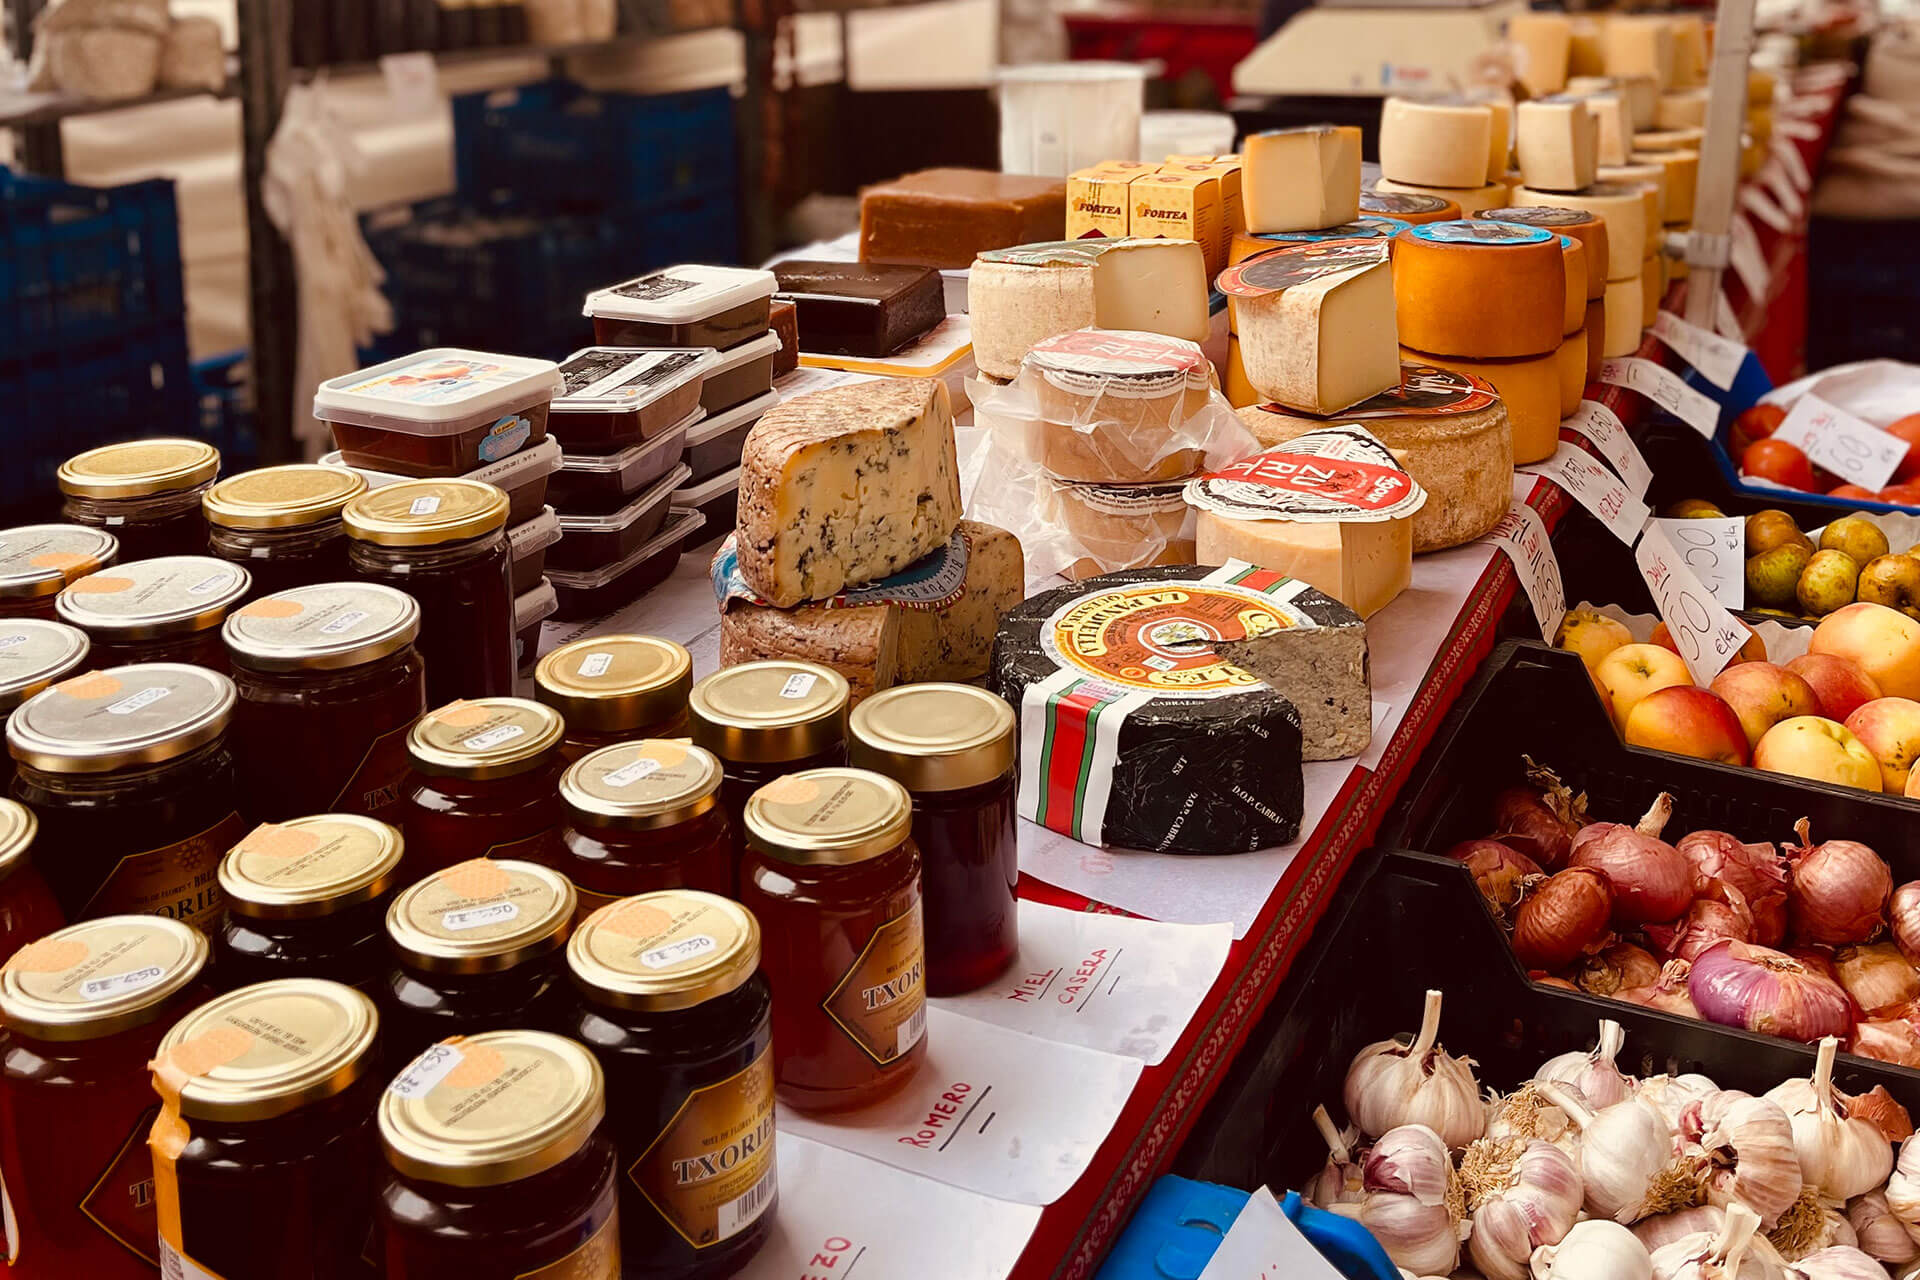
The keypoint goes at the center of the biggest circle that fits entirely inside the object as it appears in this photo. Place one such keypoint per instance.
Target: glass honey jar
(765, 720)
(28, 911)
(146, 493)
(164, 610)
(283, 523)
(615, 689)
(34, 656)
(485, 783)
(39, 561)
(643, 816)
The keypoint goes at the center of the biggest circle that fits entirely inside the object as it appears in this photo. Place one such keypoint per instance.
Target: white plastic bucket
(1056, 117)
(1185, 133)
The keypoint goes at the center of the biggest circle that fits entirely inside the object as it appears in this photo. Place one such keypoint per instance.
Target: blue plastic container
(1179, 1226)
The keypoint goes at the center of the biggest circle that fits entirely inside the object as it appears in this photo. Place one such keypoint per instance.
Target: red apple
(1838, 683)
(1882, 642)
(1778, 461)
(1890, 729)
(1633, 671)
(1818, 748)
(1762, 695)
(1688, 721)
(1903, 495)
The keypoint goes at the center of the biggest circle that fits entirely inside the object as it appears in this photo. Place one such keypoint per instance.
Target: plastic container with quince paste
(740, 374)
(531, 608)
(593, 484)
(587, 542)
(716, 444)
(527, 546)
(684, 306)
(718, 499)
(523, 477)
(594, 592)
(440, 412)
(620, 396)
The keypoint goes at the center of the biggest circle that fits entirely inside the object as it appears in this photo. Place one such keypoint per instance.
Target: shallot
(1594, 1250)
(1522, 1193)
(1877, 976)
(1840, 890)
(1600, 1081)
(1497, 870)
(1651, 881)
(1563, 918)
(1739, 984)
(1903, 913)
(1390, 1084)
(1617, 967)
(1841, 1156)
(1892, 1037)
(1719, 912)
(1671, 993)
(1756, 870)
(1539, 821)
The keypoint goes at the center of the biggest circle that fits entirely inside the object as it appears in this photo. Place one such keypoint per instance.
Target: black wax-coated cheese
(861, 308)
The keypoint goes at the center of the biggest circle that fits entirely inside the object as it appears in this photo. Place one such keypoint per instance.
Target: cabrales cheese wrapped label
(1334, 475)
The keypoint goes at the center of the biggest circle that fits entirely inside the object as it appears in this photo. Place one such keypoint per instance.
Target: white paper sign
(1603, 429)
(1262, 1244)
(413, 82)
(897, 1225)
(1523, 536)
(1103, 982)
(1665, 388)
(1761, 205)
(1707, 635)
(990, 1110)
(1743, 253)
(1596, 488)
(1774, 178)
(1725, 322)
(1715, 550)
(1718, 359)
(1856, 451)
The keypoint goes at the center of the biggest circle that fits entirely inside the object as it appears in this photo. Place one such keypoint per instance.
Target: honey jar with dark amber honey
(485, 783)
(39, 561)
(643, 816)
(615, 689)
(164, 610)
(146, 493)
(283, 523)
(264, 1158)
(308, 898)
(669, 997)
(765, 720)
(833, 877)
(475, 948)
(34, 656)
(82, 1012)
(498, 1164)
(27, 909)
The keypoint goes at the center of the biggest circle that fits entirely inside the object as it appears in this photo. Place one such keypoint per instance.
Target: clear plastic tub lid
(623, 379)
(530, 537)
(707, 490)
(680, 295)
(530, 463)
(537, 605)
(681, 525)
(732, 358)
(721, 423)
(652, 496)
(438, 391)
(672, 440)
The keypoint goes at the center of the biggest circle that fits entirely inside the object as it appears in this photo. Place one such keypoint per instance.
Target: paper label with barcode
(1856, 451)
(1523, 537)
(798, 685)
(1595, 488)
(1707, 635)
(479, 917)
(738, 1214)
(136, 702)
(911, 1031)
(1718, 359)
(426, 1071)
(1602, 428)
(175, 1265)
(496, 736)
(1665, 388)
(595, 665)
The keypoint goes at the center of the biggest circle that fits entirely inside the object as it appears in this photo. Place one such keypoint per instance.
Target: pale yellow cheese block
(1362, 564)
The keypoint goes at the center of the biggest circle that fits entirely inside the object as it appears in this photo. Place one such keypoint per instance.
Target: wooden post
(1718, 190)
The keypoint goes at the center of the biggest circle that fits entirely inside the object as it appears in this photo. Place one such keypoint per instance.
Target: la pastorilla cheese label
(1333, 475)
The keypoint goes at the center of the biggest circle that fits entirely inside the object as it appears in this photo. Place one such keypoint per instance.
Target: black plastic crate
(1862, 279)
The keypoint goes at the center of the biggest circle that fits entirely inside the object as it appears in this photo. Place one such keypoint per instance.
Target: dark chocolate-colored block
(786, 327)
(860, 308)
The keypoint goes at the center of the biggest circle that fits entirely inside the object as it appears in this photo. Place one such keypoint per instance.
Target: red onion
(1840, 890)
(1651, 881)
(1904, 913)
(1719, 912)
(1668, 993)
(1877, 976)
(1740, 984)
(1618, 967)
(1756, 870)
(1498, 871)
(1539, 820)
(1562, 919)
(1818, 959)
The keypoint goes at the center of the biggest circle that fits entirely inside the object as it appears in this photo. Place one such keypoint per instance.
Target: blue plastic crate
(223, 399)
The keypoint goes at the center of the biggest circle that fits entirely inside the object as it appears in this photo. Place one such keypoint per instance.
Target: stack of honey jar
(306, 979)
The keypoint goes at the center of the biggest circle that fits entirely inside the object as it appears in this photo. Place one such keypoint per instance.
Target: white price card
(1718, 359)
(1856, 451)
(990, 1110)
(1523, 536)
(1104, 982)
(1602, 428)
(899, 1224)
(1596, 488)
(1725, 323)
(1715, 550)
(1665, 388)
(1761, 205)
(1707, 635)
(413, 82)
(1263, 1244)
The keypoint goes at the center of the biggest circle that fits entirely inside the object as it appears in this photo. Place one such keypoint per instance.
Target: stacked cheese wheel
(1585, 315)
(1553, 49)
(1452, 148)
(1491, 299)
(1635, 277)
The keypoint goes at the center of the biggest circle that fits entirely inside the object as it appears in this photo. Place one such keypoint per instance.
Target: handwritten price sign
(1718, 359)
(1603, 429)
(1707, 635)
(1523, 537)
(1856, 451)
(1665, 388)
(1596, 488)
(1716, 552)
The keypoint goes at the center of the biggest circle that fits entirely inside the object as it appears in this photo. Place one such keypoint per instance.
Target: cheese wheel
(1624, 209)
(1472, 200)
(1435, 142)
(1542, 44)
(1683, 176)
(1511, 179)
(1573, 312)
(1668, 140)
(1652, 289)
(1115, 407)
(1677, 268)
(1760, 86)
(1111, 527)
(1615, 142)
(1641, 174)
(1529, 388)
(1651, 211)
(1684, 109)
(1558, 143)
(1479, 289)
(1248, 243)
(1410, 209)
(1596, 331)
(1571, 361)
(1588, 228)
(1621, 336)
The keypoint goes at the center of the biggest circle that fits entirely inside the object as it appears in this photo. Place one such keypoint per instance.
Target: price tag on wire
(1856, 451)
(1718, 359)
(1743, 254)
(1715, 551)
(1596, 488)
(1774, 178)
(1725, 323)
(1523, 536)
(1603, 429)
(1757, 202)
(1705, 633)
(1665, 388)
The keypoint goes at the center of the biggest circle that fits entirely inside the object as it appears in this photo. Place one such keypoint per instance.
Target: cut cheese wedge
(1472, 200)
(1481, 289)
(1639, 46)
(1615, 142)
(1624, 209)
(1543, 43)
(1362, 565)
(1436, 142)
(1689, 51)
(1529, 388)
(1558, 143)
(1301, 179)
(1588, 228)
(1316, 322)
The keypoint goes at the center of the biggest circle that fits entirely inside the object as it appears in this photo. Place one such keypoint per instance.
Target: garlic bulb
(1724, 1256)
(1410, 1161)
(1338, 1182)
(1672, 1094)
(1750, 1155)
(1414, 1204)
(1809, 1225)
(1839, 1262)
(1600, 1082)
(1903, 1188)
(1593, 1250)
(1881, 1235)
(1840, 1156)
(1678, 1225)
(1391, 1084)
(1522, 1193)
(1528, 1113)
(1630, 1163)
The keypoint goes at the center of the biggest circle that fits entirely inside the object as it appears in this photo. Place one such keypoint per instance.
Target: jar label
(597, 1259)
(175, 1265)
(881, 1003)
(143, 699)
(505, 436)
(121, 1201)
(711, 1172)
(499, 735)
(628, 774)
(181, 881)
(595, 665)
(798, 685)
(426, 1071)
(374, 785)
(479, 917)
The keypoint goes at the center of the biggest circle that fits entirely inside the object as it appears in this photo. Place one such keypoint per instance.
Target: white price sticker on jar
(1704, 632)
(1856, 451)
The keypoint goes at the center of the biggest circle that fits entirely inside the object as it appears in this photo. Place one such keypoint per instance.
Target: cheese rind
(1326, 342)
(1483, 289)
(1558, 143)
(1623, 208)
(1529, 388)
(862, 643)
(1596, 331)
(1362, 564)
(1624, 308)
(1301, 179)
(1411, 209)
(955, 642)
(1472, 200)
(1573, 256)
(1683, 176)
(1641, 174)
(844, 486)
(1571, 360)
(1437, 142)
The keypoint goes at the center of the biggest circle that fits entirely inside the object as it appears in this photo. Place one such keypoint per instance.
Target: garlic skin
(1812, 1223)
(1665, 1228)
(1390, 1084)
(1630, 1162)
(1600, 1082)
(1529, 1113)
(1522, 1193)
(1749, 1153)
(1725, 1256)
(1840, 1262)
(1881, 1234)
(1409, 1161)
(1339, 1181)
(1414, 1204)
(1903, 1188)
(1673, 1094)
(1840, 1156)
(1593, 1250)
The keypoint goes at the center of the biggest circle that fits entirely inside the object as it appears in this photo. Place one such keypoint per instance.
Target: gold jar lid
(268, 1049)
(42, 559)
(485, 738)
(18, 827)
(481, 916)
(99, 977)
(665, 951)
(421, 513)
(139, 468)
(326, 627)
(310, 866)
(123, 717)
(478, 1111)
(606, 684)
(146, 599)
(934, 737)
(829, 817)
(282, 497)
(644, 785)
(767, 712)
(33, 654)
